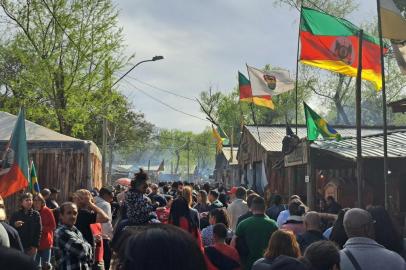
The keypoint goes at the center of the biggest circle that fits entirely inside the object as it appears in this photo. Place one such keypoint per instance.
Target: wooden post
(384, 113)
(291, 175)
(358, 121)
(310, 185)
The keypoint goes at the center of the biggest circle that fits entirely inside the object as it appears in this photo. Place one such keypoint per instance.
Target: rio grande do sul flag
(261, 99)
(14, 173)
(331, 43)
(274, 82)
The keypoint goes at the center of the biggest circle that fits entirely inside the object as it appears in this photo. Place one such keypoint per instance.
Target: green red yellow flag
(331, 43)
(14, 172)
(317, 125)
(246, 94)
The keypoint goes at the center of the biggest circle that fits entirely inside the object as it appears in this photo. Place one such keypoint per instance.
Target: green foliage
(58, 62)
(338, 8)
(172, 146)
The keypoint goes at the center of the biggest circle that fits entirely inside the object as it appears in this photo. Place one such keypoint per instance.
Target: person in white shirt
(238, 207)
(284, 215)
(103, 201)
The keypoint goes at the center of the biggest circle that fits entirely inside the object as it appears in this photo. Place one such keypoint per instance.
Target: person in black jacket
(13, 259)
(27, 222)
(313, 232)
(13, 236)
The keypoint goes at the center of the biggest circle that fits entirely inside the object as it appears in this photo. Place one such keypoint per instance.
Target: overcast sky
(204, 44)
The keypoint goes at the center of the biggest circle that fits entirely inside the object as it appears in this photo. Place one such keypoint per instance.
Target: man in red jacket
(43, 257)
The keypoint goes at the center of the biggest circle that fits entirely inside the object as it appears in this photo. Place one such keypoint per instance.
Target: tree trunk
(337, 102)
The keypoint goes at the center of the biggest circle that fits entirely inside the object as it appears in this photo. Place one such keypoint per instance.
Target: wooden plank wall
(96, 171)
(64, 169)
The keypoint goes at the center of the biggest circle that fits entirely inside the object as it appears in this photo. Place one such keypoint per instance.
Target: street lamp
(104, 129)
(155, 58)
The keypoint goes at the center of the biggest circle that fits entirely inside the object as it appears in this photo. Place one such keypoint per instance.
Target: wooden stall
(227, 169)
(62, 162)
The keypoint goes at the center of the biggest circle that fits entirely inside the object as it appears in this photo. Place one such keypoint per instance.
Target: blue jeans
(43, 258)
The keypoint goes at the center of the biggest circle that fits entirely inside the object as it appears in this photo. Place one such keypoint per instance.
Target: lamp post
(104, 130)
(155, 58)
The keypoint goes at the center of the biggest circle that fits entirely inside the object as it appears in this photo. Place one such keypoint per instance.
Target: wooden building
(62, 162)
(337, 161)
(329, 169)
(227, 169)
(263, 163)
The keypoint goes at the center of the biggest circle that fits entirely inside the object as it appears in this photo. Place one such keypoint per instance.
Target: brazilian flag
(317, 125)
(34, 185)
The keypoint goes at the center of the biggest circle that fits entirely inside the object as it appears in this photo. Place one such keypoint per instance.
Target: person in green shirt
(252, 235)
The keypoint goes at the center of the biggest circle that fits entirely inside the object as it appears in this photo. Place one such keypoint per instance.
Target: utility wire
(163, 103)
(161, 89)
(177, 139)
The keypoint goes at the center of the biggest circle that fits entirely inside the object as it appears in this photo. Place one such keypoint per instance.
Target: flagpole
(384, 112)
(297, 67)
(358, 120)
(255, 121)
(252, 110)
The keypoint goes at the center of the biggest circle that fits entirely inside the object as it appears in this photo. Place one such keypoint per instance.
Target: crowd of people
(187, 226)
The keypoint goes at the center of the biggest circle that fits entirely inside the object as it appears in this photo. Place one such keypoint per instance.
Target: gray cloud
(204, 43)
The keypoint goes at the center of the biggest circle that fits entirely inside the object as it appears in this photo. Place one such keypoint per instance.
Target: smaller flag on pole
(317, 125)
(273, 82)
(34, 185)
(14, 171)
(246, 95)
(161, 167)
(217, 137)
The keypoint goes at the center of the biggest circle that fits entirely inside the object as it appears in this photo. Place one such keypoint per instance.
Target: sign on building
(298, 156)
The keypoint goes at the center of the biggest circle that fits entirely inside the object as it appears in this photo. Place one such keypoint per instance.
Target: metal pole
(358, 120)
(297, 69)
(310, 185)
(188, 159)
(155, 58)
(384, 112)
(255, 122)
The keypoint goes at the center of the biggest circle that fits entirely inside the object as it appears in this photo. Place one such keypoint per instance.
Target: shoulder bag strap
(352, 259)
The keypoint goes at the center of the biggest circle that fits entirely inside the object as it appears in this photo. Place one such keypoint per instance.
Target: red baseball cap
(233, 190)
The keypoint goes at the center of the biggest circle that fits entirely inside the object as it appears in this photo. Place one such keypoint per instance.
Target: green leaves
(59, 61)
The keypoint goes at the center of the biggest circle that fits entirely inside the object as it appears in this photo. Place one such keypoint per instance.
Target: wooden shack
(337, 162)
(62, 162)
(227, 169)
(263, 163)
(260, 157)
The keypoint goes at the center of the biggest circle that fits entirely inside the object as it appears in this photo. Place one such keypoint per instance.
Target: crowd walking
(184, 226)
